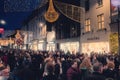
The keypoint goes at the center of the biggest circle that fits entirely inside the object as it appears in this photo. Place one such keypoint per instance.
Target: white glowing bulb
(2, 22)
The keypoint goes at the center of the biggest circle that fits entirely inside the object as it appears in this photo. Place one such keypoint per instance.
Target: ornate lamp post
(2, 22)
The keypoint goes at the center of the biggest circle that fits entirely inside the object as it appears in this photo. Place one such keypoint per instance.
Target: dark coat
(96, 76)
(109, 73)
(73, 74)
(50, 77)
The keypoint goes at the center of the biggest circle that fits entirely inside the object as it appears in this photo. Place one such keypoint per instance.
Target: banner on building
(1, 30)
(114, 7)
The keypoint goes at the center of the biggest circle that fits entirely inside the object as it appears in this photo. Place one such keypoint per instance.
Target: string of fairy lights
(71, 11)
(20, 5)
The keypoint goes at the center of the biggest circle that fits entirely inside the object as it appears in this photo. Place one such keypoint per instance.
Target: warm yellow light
(51, 15)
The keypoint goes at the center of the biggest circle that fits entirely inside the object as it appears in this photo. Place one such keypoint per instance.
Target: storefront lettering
(93, 38)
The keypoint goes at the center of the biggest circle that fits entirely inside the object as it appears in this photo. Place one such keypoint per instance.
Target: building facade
(95, 34)
(84, 28)
(63, 34)
(35, 27)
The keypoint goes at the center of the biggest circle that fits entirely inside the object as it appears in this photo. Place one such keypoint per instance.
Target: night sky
(14, 12)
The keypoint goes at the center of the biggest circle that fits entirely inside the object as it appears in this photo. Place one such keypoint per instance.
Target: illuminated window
(100, 19)
(87, 25)
(100, 2)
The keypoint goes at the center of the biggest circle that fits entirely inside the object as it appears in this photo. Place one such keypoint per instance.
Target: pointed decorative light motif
(51, 15)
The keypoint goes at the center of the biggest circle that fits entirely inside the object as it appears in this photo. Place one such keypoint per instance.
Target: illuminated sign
(114, 6)
(1, 30)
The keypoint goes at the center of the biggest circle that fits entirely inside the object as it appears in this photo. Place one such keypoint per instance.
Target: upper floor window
(87, 25)
(87, 5)
(100, 2)
(100, 19)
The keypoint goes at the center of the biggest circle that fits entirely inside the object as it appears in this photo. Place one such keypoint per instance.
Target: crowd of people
(58, 65)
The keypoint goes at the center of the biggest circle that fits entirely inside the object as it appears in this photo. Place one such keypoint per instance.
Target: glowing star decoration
(51, 15)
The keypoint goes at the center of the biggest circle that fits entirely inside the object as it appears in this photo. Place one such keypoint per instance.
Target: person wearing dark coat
(50, 72)
(73, 72)
(110, 71)
(97, 74)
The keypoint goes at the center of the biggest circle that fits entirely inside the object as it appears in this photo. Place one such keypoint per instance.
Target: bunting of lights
(20, 5)
(71, 11)
(51, 15)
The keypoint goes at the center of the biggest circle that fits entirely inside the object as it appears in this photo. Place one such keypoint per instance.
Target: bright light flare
(2, 22)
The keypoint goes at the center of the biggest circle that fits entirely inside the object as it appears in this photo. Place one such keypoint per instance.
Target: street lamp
(2, 22)
(41, 24)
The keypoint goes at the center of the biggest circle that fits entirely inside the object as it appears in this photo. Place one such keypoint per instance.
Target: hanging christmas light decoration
(51, 15)
(19, 39)
(20, 5)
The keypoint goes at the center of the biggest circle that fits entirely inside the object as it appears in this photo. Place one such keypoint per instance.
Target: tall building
(68, 25)
(83, 26)
(97, 29)
(63, 34)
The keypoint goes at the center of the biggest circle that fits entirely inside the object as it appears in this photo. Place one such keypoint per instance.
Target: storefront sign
(93, 38)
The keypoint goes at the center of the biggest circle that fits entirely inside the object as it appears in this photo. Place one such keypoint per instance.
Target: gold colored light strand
(17, 36)
(70, 12)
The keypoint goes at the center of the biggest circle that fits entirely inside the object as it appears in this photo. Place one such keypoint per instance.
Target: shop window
(87, 25)
(100, 19)
(74, 32)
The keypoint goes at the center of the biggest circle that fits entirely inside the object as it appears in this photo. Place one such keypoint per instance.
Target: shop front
(34, 45)
(41, 45)
(97, 47)
(72, 47)
(97, 43)
(51, 46)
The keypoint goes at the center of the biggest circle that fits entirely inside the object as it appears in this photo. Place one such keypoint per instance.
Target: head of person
(74, 64)
(110, 65)
(98, 67)
(86, 64)
(50, 68)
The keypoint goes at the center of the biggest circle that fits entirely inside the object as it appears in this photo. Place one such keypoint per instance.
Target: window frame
(87, 25)
(100, 21)
(100, 2)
